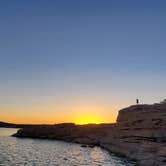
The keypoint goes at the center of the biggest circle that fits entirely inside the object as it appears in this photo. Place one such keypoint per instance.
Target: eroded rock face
(140, 134)
(143, 115)
(144, 121)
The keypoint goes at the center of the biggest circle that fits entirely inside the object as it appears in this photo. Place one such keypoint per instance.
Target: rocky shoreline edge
(139, 134)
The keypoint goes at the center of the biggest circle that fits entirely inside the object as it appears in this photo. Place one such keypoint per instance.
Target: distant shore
(12, 125)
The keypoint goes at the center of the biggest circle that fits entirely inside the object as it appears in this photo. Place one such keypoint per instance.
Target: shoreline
(131, 161)
(139, 134)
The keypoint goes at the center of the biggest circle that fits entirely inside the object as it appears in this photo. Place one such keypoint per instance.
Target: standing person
(137, 101)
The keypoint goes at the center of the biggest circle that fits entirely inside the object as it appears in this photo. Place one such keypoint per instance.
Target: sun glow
(87, 119)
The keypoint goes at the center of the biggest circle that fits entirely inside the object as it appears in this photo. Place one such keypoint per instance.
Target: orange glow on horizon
(88, 119)
(48, 113)
(79, 119)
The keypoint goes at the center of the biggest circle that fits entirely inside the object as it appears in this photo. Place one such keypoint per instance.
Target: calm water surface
(36, 152)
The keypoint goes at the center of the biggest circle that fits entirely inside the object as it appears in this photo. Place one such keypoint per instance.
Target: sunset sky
(80, 60)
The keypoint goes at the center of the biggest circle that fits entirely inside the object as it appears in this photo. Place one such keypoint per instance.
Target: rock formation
(139, 134)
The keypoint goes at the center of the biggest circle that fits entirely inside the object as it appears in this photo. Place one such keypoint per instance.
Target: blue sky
(103, 54)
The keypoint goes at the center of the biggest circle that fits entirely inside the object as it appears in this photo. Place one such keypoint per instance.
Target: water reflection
(17, 151)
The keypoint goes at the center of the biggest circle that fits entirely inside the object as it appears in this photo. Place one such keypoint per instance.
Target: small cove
(17, 151)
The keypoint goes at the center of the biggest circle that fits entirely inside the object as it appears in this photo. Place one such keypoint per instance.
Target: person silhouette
(137, 101)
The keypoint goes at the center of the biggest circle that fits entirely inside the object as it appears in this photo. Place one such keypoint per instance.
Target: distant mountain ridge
(4, 124)
(12, 125)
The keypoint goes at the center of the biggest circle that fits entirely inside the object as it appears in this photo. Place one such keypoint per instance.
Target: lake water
(36, 152)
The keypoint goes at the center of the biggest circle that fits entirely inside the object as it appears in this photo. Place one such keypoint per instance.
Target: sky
(80, 61)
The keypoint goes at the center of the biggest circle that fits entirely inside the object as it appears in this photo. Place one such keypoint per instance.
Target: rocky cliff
(140, 134)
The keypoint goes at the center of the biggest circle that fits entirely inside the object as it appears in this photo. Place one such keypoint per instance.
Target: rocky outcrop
(90, 134)
(139, 134)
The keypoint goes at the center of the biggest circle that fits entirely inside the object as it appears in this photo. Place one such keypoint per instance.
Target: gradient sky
(80, 60)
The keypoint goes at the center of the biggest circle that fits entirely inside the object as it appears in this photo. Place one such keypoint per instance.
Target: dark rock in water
(84, 146)
(139, 134)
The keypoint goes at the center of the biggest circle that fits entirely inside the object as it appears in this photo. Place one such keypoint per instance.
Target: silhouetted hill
(12, 125)
(4, 124)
